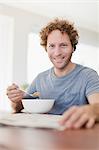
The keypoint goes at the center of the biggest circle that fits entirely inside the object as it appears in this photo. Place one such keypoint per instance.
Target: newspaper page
(31, 120)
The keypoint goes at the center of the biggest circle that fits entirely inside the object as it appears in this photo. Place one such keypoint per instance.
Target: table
(18, 138)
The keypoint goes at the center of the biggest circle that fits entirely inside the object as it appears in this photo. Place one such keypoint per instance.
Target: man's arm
(79, 116)
(94, 101)
(17, 107)
(15, 95)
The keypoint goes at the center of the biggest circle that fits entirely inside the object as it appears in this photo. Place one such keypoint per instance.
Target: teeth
(58, 59)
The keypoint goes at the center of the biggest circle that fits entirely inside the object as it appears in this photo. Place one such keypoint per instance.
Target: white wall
(6, 58)
(24, 23)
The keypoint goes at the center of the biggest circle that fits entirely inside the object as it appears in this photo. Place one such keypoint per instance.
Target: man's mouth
(59, 60)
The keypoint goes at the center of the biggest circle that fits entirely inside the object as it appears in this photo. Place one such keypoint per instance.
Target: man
(74, 87)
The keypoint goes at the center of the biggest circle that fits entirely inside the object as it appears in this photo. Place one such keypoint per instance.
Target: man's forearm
(17, 107)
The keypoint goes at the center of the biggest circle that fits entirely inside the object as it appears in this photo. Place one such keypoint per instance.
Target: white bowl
(37, 105)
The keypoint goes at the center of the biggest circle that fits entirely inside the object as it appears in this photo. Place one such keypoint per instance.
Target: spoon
(30, 96)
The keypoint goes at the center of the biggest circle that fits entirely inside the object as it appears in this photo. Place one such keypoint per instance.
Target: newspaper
(31, 120)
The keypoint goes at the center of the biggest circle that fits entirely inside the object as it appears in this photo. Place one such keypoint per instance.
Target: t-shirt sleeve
(92, 85)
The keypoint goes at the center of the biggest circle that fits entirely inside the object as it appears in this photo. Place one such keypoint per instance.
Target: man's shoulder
(81, 67)
(85, 70)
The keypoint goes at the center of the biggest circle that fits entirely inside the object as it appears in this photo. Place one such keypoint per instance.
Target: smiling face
(59, 49)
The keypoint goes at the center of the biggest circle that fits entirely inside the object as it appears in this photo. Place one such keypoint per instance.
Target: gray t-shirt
(71, 89)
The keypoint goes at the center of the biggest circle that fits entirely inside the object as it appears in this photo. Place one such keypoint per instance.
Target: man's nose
(57, 51)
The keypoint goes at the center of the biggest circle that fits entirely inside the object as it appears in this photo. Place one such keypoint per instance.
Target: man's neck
(64, 71)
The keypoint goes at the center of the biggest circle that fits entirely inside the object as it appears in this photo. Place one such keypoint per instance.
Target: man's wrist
(17, 106)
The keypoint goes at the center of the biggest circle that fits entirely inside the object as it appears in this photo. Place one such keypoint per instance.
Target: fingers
(11, 88)
(66, 116)
(90, 123)
(14, 93)
(77, 117)
(72, 118)
(81, 121)
(16, 99)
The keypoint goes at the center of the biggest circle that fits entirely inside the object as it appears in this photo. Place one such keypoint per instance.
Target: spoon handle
(30, 96)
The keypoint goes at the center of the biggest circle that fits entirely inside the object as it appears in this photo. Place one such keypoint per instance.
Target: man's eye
(51, 46)
(64, 45)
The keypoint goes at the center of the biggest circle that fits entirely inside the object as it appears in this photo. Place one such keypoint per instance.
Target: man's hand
(14, 93)
(79, 116)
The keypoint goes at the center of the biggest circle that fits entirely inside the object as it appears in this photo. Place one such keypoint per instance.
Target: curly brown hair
(63, 26)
